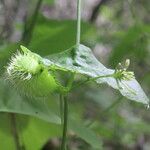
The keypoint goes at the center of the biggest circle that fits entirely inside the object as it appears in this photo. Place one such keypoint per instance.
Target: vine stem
(61, 107)
(65, 106)
(92, 79)
(78, 22)
(15, 131)
(65, 124)
(29, 27)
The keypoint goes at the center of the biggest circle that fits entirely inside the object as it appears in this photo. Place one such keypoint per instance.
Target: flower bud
(127, 63)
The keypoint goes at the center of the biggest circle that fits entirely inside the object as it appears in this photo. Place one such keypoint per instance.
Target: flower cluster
(121, 72)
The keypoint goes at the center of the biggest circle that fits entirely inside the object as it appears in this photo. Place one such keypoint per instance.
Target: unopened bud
(127, 63)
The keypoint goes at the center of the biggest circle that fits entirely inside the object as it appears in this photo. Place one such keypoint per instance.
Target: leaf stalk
(65, 123)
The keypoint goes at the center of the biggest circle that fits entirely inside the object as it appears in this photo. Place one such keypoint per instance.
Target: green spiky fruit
(29, 75)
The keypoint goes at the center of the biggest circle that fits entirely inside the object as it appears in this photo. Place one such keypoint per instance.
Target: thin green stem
(78, 22)
(64, 137)
(93, 79)
(15, 131)
(65, 114)
(109, 108)
(61, 107)
(104, 76)
(116, 102)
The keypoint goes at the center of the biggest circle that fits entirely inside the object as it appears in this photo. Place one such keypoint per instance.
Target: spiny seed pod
(27, 73)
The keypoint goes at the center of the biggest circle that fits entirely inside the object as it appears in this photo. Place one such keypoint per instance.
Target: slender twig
(78, 23)
(64, 137)
(116, 102)
(109, 108)
(28, 31)
(15, 132)
(96, 11)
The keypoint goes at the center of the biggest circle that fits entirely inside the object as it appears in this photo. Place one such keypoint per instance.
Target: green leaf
(34, 127)
(132, 90)
(55, 36)
(11, 102)
(6, 139)
(42, 110)
(38, 131)
(82, 61)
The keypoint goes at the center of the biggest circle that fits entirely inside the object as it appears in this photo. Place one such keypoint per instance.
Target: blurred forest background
(115, 30)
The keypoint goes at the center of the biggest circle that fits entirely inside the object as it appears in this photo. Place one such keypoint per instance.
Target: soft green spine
(30, 76)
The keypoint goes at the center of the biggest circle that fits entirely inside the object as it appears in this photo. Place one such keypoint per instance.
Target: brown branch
(95, 11)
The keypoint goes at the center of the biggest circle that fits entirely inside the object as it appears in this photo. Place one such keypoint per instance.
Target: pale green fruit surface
(29, 75)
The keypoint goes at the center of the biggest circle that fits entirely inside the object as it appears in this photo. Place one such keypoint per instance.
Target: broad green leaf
(6, 139)
(36, 108)
(55, 36)
(82, 61)
(11, 102)
(39, 131)
(29, 129)
(132, 90)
